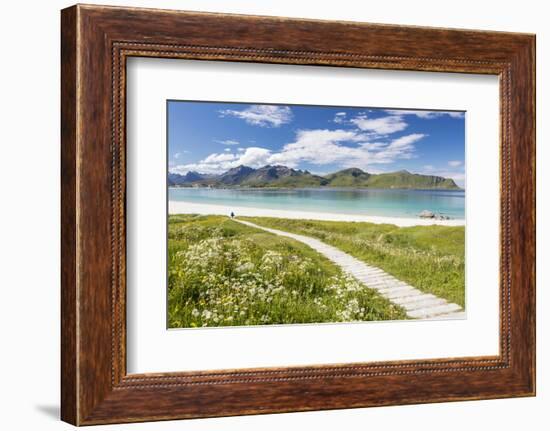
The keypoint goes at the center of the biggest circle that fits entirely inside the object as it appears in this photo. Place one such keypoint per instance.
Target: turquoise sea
(378, 202)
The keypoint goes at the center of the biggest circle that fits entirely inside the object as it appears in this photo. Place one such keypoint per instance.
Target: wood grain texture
(96, 41)
(69, 397)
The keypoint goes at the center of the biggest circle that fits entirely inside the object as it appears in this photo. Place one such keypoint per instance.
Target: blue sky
(214, 137)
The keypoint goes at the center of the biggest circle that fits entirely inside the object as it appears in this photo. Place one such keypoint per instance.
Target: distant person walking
(232, 214)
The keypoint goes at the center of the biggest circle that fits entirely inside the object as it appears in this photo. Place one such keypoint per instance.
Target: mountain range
(284, 177)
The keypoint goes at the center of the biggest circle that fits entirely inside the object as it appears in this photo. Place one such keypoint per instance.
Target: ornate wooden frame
(96, 41)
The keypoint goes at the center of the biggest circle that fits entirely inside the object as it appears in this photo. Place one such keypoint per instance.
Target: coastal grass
(430, 258)
(222, 273)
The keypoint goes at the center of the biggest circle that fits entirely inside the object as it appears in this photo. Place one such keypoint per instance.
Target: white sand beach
(179, 207)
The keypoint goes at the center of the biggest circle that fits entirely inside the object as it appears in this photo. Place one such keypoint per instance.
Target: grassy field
(430, 258)
(222, 273)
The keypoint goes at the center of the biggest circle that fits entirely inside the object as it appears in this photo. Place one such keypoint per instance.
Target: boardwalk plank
(417, 304)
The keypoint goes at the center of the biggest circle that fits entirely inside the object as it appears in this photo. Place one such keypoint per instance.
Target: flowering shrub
(222, 273)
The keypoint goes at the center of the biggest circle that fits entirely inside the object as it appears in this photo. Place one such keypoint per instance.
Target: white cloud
(406, 141)
(227, 149)
(373, 145)
(339, 117)
(400, 148)
(254, 157)
(319, 146)
(455, 163)
(218, 158)
(227, 142)
(380, 126)
(456, 114)
(177, 155)
(217, 163)
(346, 148)
(262, 115)
(425, 114)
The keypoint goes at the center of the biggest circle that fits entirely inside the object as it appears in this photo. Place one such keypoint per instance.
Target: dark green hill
(406, 180)
(352, 177)
(284, 177)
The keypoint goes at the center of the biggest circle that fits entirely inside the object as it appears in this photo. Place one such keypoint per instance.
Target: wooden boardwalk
(417, 304)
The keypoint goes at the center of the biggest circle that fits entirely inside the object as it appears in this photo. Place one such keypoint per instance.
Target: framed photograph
(265, 215)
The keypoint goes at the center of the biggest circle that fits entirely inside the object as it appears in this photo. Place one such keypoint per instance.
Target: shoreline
(321, 188)
(181, 207)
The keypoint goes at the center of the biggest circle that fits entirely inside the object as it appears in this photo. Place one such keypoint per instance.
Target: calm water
(392, 203)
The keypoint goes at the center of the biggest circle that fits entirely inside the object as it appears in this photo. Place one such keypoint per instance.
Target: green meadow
(430, 258)
(222, 273)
